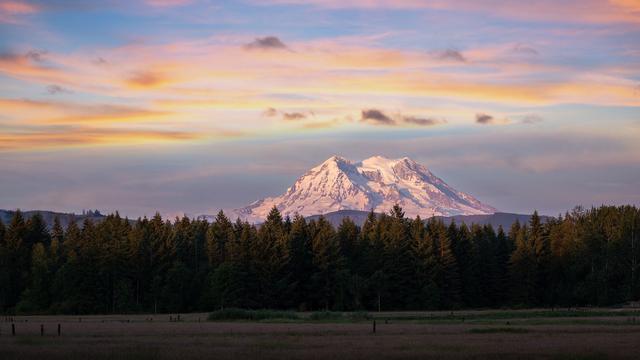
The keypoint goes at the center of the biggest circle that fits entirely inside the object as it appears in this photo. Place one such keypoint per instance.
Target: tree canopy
(585, 257)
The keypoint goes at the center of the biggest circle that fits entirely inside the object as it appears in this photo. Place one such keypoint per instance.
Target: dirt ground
(156, 337)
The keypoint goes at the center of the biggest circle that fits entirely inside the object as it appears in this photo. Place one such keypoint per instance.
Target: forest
(586, 257)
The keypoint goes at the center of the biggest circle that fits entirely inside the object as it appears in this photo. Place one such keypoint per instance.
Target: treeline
(586, 257)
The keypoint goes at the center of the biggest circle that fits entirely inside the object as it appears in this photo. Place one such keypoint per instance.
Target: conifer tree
(586, 257)
(467, 258)
(540, 243)
(522, 270)
(16, 262)
(502, 253)
(398, 266)
(300, 261)
(272, 260)
(36, 297)
(448, 277)
(326, 261)
(219, 234)
(2, 232)
(4, 268)
(348, 234)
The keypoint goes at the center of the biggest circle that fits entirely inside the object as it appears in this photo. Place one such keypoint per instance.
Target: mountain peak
(336, 158)
(375, 183)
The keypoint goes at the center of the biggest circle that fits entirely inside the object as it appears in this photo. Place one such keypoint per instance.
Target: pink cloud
(576, 11)
(11, 10)
(167, 3)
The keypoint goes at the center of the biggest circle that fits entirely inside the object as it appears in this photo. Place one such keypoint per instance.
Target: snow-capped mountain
(376, 183)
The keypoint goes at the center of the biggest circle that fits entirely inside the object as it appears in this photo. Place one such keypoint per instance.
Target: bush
(251, 315)
(359, 316)
(326, 315)
(332, 315)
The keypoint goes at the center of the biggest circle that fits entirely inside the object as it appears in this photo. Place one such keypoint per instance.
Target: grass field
(578, 334)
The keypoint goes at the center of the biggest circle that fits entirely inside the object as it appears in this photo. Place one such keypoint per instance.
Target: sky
(189, 106)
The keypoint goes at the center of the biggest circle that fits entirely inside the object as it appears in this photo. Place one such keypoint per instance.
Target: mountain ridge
(335, 218)
(503, 219)
(376, 183)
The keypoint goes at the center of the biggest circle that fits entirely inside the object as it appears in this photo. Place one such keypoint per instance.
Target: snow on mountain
(376, 183)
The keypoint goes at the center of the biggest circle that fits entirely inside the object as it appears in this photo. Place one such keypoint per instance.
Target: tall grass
(339, 316)
(512, 330)
(252, 315)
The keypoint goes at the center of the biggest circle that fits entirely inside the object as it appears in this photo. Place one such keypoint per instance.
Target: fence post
(13, 329)
(374, 326)
(59, 330)
(41, 329)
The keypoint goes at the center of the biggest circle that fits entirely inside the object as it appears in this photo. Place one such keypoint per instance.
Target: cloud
(145, 79)
(524, 50)
(294, 116)
(375, 116)
(11, 10)
(31, 55)
(266, 43)
(484, 119)
(532, 119)
(287, 116)
(450, 55)
(167, 3)
(32, 112)
(99, 61)
(422, 121)
(57, 89)
(36, 55)
(378, 117)
(78, 136)
(270, 112)
(545, 11)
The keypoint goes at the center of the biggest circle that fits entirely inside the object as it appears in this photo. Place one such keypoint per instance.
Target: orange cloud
(146, 79)
(167, 3)
(184, 76)
(87, 137)
(577, 11)
(43, 112)
(205, 84)
(10, 10)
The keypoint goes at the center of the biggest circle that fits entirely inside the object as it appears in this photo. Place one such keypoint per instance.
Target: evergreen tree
(326, 262)
(448, 278)
(16, 261)
(503, 251)
(300, 261)
(37, 231)
(586, 257)
(271, 261)
(467, 258)
(220, 233)
(36, 298)
(522, 270)
(397, 265)
(348, 234)
(540, 243)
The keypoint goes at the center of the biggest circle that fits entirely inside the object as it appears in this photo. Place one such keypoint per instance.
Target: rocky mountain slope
(375, 183)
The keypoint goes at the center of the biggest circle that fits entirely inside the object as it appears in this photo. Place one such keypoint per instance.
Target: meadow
(500, 334)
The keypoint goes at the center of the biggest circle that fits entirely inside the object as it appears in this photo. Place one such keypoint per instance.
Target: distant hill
(49, 216)
(335, 218)
(497, 219)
